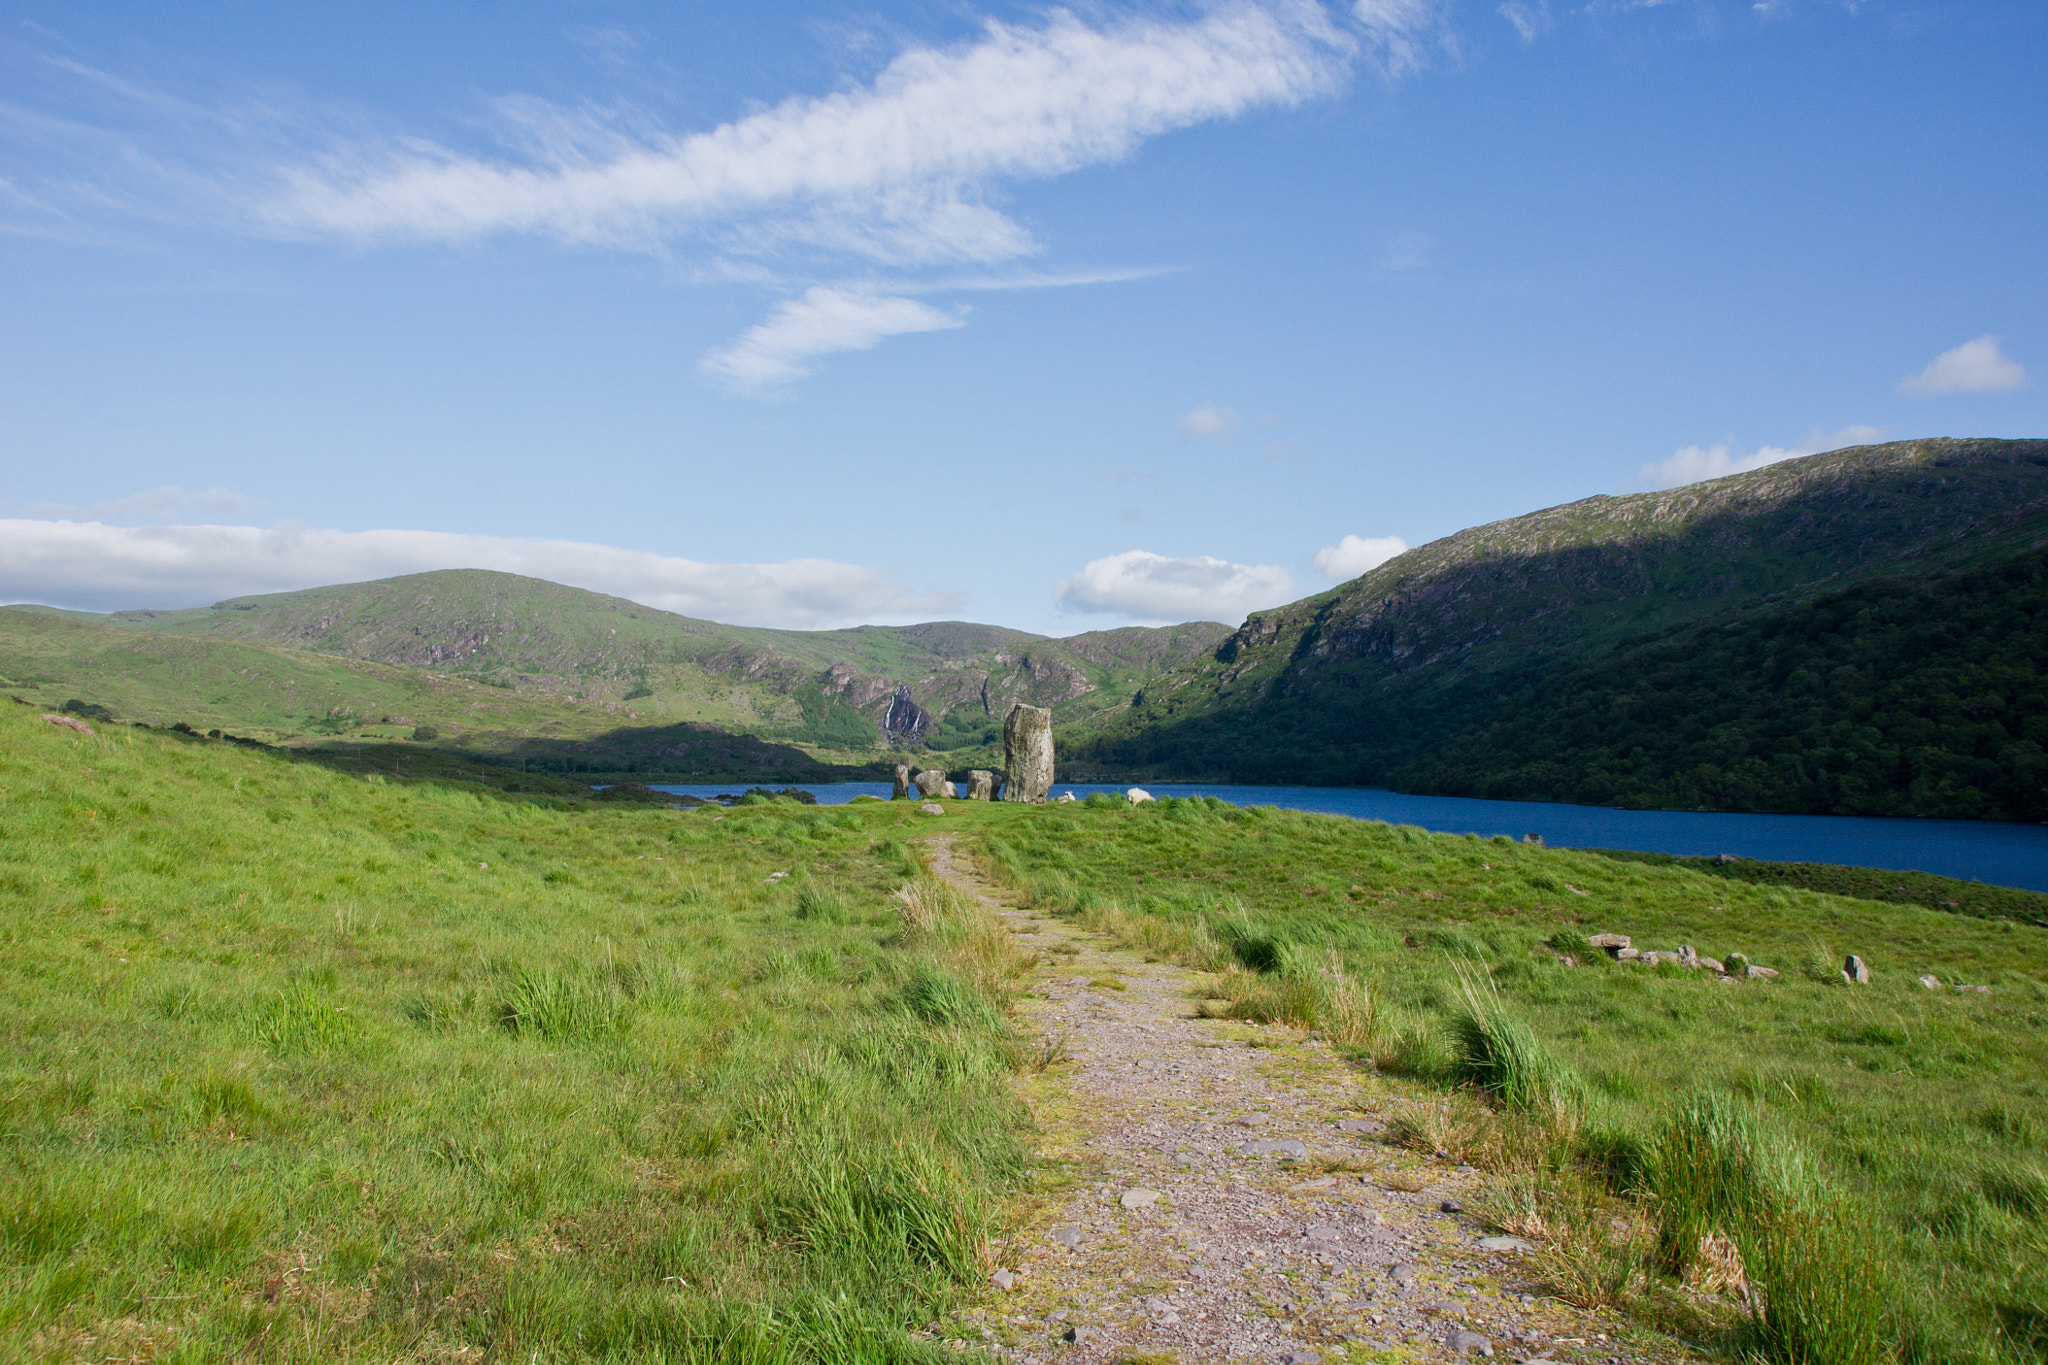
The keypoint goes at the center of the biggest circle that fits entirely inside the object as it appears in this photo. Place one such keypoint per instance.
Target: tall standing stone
(981, 785)
(902, 782)
(1027, 754)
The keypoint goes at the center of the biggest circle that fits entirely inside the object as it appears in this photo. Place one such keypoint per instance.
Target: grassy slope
(1365, 682)
(828, 688)
(308, 1067)
(1929, 1108)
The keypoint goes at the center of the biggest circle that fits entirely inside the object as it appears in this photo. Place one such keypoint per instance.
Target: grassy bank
(312, 1066)
(1799, 1168)
(1863, 883)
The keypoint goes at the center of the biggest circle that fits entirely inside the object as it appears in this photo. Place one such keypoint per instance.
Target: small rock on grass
(1470, 1344)
(1505, 1244)
(1932, 983)
(1139, 1198)
(1282, 1147)
(1402, 1274)
(1252, 1120)
(1451, 1206)
(1069, 1236)
(1078, 1335)
(1004, 1279)
(1359, 1126)
(931, 808)
(1301, 1358)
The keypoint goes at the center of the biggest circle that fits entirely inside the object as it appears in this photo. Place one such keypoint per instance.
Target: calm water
(2001, 854)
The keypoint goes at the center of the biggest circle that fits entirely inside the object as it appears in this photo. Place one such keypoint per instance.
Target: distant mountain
(553, 661)
(1860, 631)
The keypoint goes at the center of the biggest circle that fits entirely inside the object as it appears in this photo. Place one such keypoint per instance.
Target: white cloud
(1141, 586)
(896, 170)
(1694, 463)
(95, 567)
(1212, 424)
(1401, 30)
(1354, 555)
(823, 321)
(1973, 367)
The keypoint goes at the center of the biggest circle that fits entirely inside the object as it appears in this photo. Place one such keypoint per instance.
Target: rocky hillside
(898, 686)
(1436, 671)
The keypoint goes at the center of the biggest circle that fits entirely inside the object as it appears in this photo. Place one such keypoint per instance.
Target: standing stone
(947, 789)
(902, 782)
(1855, 970)
(930, 782)
(1027, 754)
(1137, 795)
(981, 785)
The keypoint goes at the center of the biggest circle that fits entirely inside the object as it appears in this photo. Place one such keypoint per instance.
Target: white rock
(1139, 1198)
(1137, 795)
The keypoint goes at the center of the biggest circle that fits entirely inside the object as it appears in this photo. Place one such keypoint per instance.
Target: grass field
(306, 1066)
(310, 1065)
(1889, 1142)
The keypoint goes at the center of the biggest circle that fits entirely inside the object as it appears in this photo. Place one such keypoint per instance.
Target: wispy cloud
(1974, 367)
(1208, 423)
(896, 171)
(167, 503)
(1145, 587)
(1691, 464)
(823, 321)
(1354, 555)
(92, 566)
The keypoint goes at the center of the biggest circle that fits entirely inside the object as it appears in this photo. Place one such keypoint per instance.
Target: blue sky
(808, 315)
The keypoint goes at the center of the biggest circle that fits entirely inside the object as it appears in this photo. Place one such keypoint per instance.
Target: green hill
(1852, 632)
(519, 670)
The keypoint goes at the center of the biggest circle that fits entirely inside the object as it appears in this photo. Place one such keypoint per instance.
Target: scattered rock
(1139, 1198)
(1283, 1147)
(1360, 1126)
(1981, 990)
(1067, 1236)
(1252, 1120)
(1301, 1358)
(981, 785)
(69, 723)
(1004, 1279)
(1137, 796)
(1756, 973)
(1470, 1344)
(1613, 943)
(1401, 1273)
(1323, 1232)
(1066, 797)
(1710, 964)
(1451, 1206)
(1626, 955)
(1726, 858)
(1686, 956)
(1027, 754)
(1505, 1244)
(1932, 983)
(1077, 1335)
(1535, 839)
(1652, 959)
(928, 808)
(1855, 970)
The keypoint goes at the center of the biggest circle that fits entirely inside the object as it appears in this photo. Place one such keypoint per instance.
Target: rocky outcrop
(905, 721)
(1027, 754)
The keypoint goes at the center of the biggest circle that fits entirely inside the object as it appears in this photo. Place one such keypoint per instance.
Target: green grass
(1914, 1121)
(306, 1066)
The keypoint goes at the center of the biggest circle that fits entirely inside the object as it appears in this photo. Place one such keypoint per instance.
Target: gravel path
(1214, 1191)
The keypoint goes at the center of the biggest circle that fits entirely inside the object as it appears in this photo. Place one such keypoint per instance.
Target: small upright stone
(902, 782)
(981, 785)
(1855, 970)
(1027, 754)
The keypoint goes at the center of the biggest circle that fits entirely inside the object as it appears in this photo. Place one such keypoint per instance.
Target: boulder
(1686, 956)
(981, 785)
(929, 809)
(948, 790)
(1535, 839)
(1932, 983)
(1711, 964)
(69, 723)
(1136, 795)
(1652, 959)
(1138, 1198)
(1614, 944)
(902, 782)
(930, 782)
(1027, 754)
(1626, 955)
(1756, 973)
(1065, 797)
(1855, 970)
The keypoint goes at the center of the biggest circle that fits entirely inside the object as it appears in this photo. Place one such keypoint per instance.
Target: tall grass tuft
(536, 1002)
(1497, 1051)
(1717, 1170)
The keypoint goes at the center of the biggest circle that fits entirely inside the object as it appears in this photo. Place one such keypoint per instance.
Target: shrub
(1717, 1170)
(1256, 949)
(1498, 1052)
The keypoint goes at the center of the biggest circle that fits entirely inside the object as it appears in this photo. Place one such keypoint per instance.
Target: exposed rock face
(902, 782)
(930, 782)
(981, 785)
(905, 721)
(1027, 754)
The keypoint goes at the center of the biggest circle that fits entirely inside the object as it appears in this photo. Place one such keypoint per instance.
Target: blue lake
(2001, 854)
